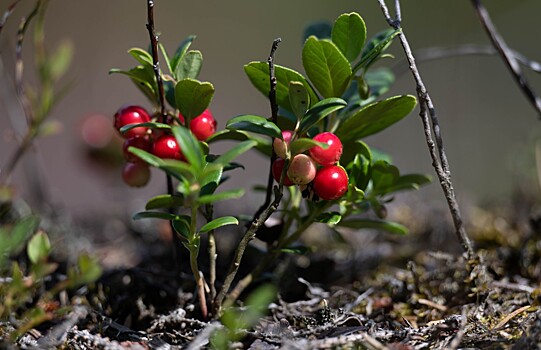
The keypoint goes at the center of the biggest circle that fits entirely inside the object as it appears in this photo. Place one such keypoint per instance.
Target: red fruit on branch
(331, 182)
(277, 168)
(202, 126)
(302, 169)
(131, 115)
(166, 147)
(330, 155)
(136, 174)
(280, 146)
(137, 142)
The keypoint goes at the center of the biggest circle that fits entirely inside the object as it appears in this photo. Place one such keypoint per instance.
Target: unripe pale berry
(166, 147)
(277, 168)
(280, 146)
(137, 142)
(331, 154)
(302, 169)
(136, 174)
(331, 182)
(131, 115)
(203, 126)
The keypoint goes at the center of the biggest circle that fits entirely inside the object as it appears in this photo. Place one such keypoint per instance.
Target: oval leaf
(349, 34)
(376, 47)
(154, 215)
(234, 152)
(164, 201)
(211, 198)
(190, 147)
(385, 225)
(331, 218)
(38, 248)
(151, 125)
(262, 145)
(181, 50)
(326, 67)
(189, 65)
(219, 222)
(319, 111)
(193, 97)
(298, 98)
(303, 144)
(256, 124)
(375, 117)
(258, 73)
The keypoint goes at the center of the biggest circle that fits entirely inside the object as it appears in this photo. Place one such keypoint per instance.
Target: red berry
(331, 154)
(277, 168)
(280, 146)
(131, 115)
(302, 169)
(137, 142)
(202, 126)
(331, 182)
(136, 174)
(166, 147)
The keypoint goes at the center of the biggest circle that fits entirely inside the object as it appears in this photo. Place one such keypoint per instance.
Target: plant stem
(194, 245)
(431, 123)
(209, 213)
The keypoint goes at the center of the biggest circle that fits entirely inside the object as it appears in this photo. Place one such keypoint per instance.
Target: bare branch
(6, 14)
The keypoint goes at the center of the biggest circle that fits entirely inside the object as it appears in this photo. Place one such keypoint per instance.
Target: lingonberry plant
(313, 139)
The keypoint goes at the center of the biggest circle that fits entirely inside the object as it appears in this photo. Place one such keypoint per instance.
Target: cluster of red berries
(316, 170)
(136, 172)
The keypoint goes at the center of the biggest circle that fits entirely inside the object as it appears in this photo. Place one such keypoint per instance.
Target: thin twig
(177, 244)
(438, 53)
(506, 54)
(268, 209)
(435, 144)
(7, 13)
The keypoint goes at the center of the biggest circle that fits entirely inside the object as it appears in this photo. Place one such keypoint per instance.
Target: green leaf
(164, 201)
(319, 111)
(360, 170)
(298, 250)
(331, 218)
(303, 144)
(379, 81)
(319, 29)
(38, 248)
(193, 97)
(262, 145)
(212, 175)
(349, 34)
(384, 176)
(258, 73)
(182, 226)
(225, 195)
(326, 67)
(190, 147)
(141, 56)
(165, 57)
(409, 182)
(89, 270)
(298, 98)
(385, 225)
(234, 152)
(152, 125)
(60, 60)
(189, 65)
(19, 234)
(154, 215)
(219, 222)
(143, 79)
(256, 124)
(376, 47)
(181, 50)
(375, 117)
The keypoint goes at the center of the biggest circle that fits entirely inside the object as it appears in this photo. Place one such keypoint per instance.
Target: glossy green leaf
(60, 60)
(143, 79)
(141, 56)
(379, 81)
(375, 117)
(193, 97)
(263, 145)
(225, 195)
(255, 124)
(152, 125)
(181, 50)
(14, 241)
(178, 169)
(409, 182)
(384, 177)
(88, 271)
(189, 65)
(330, 218)
(297, 250)
(298, 98)
(182, 226)
(258, 73)
(319, 29)
(234, 152)
(376, 47)
(38, 247)
(360, 167)
(319, 111)
(219, 222)
(212, 175)
(385, 225)
(165, 57)
(164, 201)
(349, 34)
(190, 147)
(154, 215)
(326, 67)
(303, 144)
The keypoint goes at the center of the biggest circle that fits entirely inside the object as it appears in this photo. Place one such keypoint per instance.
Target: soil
(369, 291)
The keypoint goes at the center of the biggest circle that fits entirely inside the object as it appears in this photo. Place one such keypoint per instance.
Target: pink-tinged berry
(136, 174)
(132, 115)
(277, 168)
(166, 147)
(280, 146)
(137, 142)
(302, 169)
(203, 126)
(331, 182)
(331, 154)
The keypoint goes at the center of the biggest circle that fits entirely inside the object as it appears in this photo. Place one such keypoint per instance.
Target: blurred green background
(489, 127)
